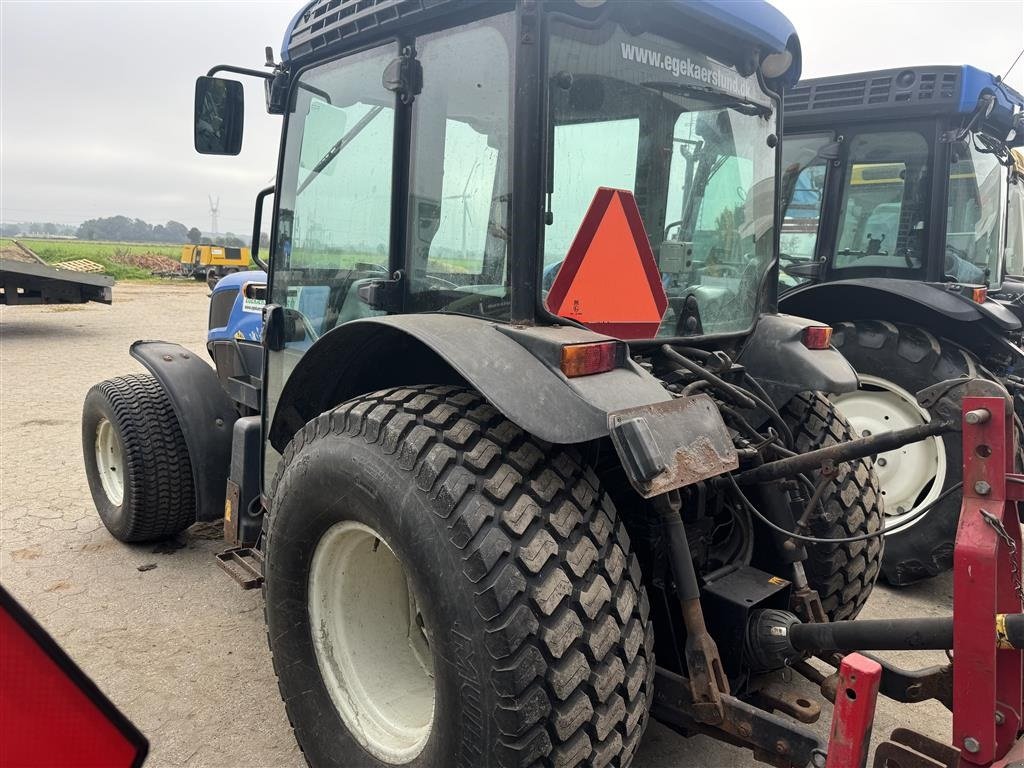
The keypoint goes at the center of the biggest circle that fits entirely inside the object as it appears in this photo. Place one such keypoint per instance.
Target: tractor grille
(936, 85)
(325, 23)
(220, 308)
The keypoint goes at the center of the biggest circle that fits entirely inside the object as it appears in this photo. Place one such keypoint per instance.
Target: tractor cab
(902, 175)
(611, 167)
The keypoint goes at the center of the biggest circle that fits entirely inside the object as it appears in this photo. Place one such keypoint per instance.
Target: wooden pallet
(80, 265)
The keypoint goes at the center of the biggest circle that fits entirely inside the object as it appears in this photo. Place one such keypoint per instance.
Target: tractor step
(244, 565)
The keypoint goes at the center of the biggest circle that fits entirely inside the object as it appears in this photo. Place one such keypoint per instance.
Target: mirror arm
(239, 71)
(266, 76)
(257, 222)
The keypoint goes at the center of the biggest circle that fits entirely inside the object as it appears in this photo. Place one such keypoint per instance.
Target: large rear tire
(894, 362)
(136, 460)
(842, 574)
(443, 589)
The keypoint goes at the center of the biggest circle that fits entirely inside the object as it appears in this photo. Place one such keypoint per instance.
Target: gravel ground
(179, 648)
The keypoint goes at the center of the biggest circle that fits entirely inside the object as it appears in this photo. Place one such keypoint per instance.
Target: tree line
(123, 229)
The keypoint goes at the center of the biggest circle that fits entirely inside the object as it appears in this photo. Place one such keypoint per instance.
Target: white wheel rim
(110, 462)
(911, 476)
(369, 644)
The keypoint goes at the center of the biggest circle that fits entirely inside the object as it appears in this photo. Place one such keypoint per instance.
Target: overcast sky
(96, 97)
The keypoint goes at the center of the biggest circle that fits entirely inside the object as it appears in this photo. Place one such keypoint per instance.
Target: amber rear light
(817, 336)
(587, 359)
(978, 295)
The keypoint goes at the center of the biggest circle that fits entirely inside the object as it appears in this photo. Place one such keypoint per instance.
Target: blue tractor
(475, 502)
(901, 196)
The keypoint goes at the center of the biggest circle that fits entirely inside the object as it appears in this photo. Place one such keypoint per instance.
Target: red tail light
(817, 336)
(586, 359)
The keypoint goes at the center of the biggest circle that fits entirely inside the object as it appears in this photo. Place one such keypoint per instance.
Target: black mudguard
(873, 298)
(516, 369)
(205, 413)
(775, 355)
(984, 329)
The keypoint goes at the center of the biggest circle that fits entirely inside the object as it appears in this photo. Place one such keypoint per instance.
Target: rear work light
(817, 336)
(587, 359)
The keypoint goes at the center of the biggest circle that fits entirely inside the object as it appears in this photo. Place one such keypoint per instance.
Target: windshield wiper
(719, 98)
(339, 145)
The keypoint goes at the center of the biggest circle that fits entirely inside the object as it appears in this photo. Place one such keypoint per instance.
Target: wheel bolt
(881, 462)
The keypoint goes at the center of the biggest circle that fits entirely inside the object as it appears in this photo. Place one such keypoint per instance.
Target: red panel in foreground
(609, 280)
(51, 714)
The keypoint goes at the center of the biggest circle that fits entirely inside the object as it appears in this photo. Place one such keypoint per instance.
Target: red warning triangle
(609, 280)
(51, 714)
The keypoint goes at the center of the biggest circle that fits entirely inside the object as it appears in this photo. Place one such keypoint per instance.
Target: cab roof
(324, 27)
(906, 92)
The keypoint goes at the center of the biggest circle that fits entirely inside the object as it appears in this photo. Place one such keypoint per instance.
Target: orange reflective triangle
(609, 280)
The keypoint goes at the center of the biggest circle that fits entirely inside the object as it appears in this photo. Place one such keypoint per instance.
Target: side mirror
(219, 116)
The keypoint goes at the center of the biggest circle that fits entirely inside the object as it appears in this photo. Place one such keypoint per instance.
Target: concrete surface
(180, 648)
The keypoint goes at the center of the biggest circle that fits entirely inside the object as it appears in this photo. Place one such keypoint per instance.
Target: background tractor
(902, 230)
(476, 502)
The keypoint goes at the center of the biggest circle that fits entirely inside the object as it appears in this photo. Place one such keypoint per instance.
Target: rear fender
(205, 413)
(883, 298)
(980, 328)
(516, 369)
(776, 357)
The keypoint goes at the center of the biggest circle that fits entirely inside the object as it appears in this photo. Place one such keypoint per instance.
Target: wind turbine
(214, 206)
(467, 218)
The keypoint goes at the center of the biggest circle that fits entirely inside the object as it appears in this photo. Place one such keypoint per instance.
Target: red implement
(987, 680)
(854, 713)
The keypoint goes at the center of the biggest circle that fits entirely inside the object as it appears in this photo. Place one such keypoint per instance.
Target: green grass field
(114, 257)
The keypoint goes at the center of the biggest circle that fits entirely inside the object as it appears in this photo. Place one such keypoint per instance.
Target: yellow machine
(212, 262)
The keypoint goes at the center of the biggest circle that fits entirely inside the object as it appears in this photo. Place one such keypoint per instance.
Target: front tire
(894, 362)
(509, 571)
(136, 460)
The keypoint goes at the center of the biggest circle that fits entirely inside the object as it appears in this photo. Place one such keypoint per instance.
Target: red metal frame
(854, 712)
(987, 681)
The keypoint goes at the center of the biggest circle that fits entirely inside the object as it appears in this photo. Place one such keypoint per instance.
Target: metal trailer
(901, 200)
(27, 283)
(472, 501)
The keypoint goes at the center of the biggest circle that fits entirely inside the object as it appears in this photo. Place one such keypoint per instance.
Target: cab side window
(884, 211)
(803, 191)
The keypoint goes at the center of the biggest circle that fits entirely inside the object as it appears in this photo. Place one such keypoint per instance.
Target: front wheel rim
(912, 476)
(371, 643)
(110, 462)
